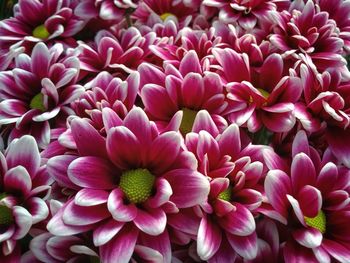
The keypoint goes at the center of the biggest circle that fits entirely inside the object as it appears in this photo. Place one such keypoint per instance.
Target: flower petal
(308, 237)
(106, 231)
(246, 246)
(152, 221)
(208, 238)
(119, 210)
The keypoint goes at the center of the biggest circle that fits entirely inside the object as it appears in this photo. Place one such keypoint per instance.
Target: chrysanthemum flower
(127, 185)
(309, 31)
(227, 216)
(188, 89)
(37, 90)
(24, 187)
(245, 13)
(266, 101)
(105, 9)
(40, 20)
(313, 203)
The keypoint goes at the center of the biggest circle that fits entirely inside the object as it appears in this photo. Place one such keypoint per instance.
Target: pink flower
(245, 13)
(228, 215)
(188, 89)
(267, 100)
(308, 32)
(38, 90)
(24, 187)
(313, 203)
(124, 195)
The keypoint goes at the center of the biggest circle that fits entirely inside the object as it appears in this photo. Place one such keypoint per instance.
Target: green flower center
(226, 195)
(137, 185)
(187, 120)
(41, 32)
(318, 222)
(165, 16)
(6, 217)
(37, 102)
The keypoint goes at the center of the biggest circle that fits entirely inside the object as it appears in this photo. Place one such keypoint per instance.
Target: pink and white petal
(336, 250)
(194, 192)
(310, 200)
(40, 60)
(339, 143)
(6, 235)
(296, 209)
(300, 144)
(57, 167)
(327, 177)
(150, 74)
(24, 151)
(106, 231)
(321, 255)
(308, 237)
(38, 247)
(302, 172)
(148, 254)
(92, 172)
(162, 195)
(151, 221)
(295, 253)
(84, 134)
(159, 244)
(91, 197)
(23, 221)
(121, 247)
(245, 246)
(192, 90)
(81, 215)
(225, 251)
(204, 121)
(47, 115)
(123, 147)
(17, 181)
(120, 211)
(137, 122)
(190, 63)
(208, 238)
(277, 186)
(230, 142)
(239, 221)
(38, 209)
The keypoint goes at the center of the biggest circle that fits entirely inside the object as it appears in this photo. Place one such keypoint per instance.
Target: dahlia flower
(187, 89)
(124, 195)
(313, 203)
(267, 101)
(245, 13)
(25, 185)
(37, 90)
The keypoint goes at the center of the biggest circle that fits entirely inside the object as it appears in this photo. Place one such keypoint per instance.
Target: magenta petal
(300, 144)
(121, 247)
(308, 237)
(123, 147)
(310, 200)
(296, 209)
(137, 122)
(152, 221)
(208, 238)
(165, 149)
(245, 246)
(293, 252)
(193, 90)
(327, 177)
(302, 171)
(38, 209)
(23, 221)
(160, 243)
(148, 254)
(40, 60)
(193, 192)
(24, 151)
(239, 221)
(17, 181)
(92, 172)
(57, 167)
(190, 63)
(106, 231)
(90, 197)
(230, 142)
(120, 211)
(339, 142)
(336, 250)
(84, 134)
(81, 215)
(277, 186)
(162, 195)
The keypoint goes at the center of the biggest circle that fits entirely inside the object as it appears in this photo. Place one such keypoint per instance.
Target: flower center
(318, 222)
(37, 102)
(41, 32)
(187, 120)
(6, 217)
(137, 185)
(226, 195)
(165, 16)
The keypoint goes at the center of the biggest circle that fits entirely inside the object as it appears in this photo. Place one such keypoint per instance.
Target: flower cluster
(175, 131)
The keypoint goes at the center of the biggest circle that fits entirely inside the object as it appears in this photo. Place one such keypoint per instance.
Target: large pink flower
(188, 89)
(39, 89)
(127, 185)
(227, 217)
(313, 203)
(24, 186)
(265, 98)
